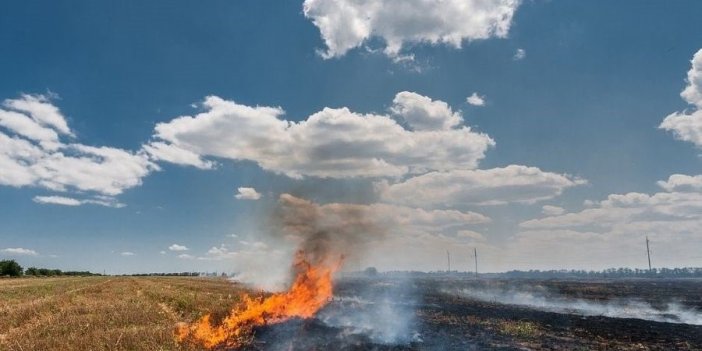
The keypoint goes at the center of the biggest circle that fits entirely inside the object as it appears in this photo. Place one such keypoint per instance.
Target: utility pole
(475, 253)
(648, 252)
(448, 259)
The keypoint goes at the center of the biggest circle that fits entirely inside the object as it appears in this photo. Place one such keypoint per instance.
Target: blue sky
(582, 107)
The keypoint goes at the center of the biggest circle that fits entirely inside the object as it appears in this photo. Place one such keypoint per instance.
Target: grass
(106, 313)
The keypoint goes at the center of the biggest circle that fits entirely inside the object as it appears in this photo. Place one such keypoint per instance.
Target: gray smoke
(327, 231)
(671, 312)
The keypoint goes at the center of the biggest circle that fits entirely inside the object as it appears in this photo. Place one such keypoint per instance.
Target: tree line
(11, 268)
(684, 272)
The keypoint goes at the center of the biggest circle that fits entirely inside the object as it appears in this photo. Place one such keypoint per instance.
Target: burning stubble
(325, 235)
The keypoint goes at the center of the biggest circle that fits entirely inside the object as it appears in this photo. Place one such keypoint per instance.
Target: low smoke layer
(671, 312)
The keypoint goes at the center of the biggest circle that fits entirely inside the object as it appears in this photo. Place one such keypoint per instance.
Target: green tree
(11, 268)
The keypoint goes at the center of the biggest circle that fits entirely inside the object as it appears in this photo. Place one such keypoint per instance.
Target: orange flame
(310, 291)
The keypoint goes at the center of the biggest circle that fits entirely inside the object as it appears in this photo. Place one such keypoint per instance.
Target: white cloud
(32, 154)
(494, 186)
(162, 252)
(127, 253)
(57, 200)
(19, 251)
(106, 201)
(423, 113)
(334, 143)
(186, 257)
(552, 210)
(348, 24)
(176, 247)
(520, 54)
(586, 239)
(618, 224)
(682, 182)
(687, 125)
(245, 193)
(476, 100)
(173, 154)
(41, 110)
(620, 210)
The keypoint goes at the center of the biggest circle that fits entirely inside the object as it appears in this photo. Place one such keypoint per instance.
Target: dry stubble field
(105, 313)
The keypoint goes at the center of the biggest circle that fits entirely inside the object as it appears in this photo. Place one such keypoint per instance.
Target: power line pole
(648, 252)
(448, 259)
(475, 253)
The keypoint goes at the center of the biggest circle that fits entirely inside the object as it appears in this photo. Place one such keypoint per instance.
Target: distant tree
(371, 271)
(32, 271)
(10, 268)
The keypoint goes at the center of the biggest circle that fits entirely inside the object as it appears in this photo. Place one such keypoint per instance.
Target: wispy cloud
(19, 251)
(176, 247)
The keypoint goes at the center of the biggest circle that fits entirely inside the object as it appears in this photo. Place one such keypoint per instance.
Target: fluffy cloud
(552, 210)
(520, 54)
(106, 201)
(33, 154)
(127, 253)
(19, 251)
(687, 125)
(347, 24)
(176, 247)
(423, 113)
(483, 187)
(476, 100)
(333, 143)
(619, 223)
(682, 182)
(245, 193)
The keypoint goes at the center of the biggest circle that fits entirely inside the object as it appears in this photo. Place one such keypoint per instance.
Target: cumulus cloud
(476, 100)
(186, 257)
(619, 223)
(494, 186)
(520, 54)
(245, 193)
(423, 113)
(552, 210)
(176, 247)
(621, 210)
(348, 24)
(682, 182)
(32, 153)
(687, 125)
(106, 201)
(334, 142)
(19, 251)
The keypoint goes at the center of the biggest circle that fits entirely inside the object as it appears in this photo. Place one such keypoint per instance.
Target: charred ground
(442, 320)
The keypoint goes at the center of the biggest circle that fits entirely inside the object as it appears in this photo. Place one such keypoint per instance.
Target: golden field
(106, 313)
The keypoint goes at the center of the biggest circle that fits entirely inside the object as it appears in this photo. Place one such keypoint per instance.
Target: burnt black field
(461, 313)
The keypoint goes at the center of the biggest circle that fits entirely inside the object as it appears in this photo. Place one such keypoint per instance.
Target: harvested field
(104, 313)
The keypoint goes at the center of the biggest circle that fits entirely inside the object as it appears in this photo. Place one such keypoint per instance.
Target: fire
(310, 291)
